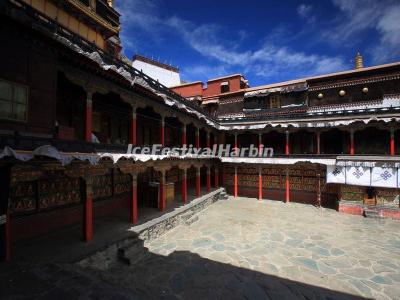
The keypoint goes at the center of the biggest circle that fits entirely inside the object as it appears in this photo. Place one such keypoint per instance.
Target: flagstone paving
(244, 248)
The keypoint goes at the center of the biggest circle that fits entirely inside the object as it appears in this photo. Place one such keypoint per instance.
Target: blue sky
(266, 41)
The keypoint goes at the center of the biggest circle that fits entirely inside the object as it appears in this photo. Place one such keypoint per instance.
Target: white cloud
(304, 10)
(389, 29)
(136, 16)
(269, 61)
(204, 72)
(359, 16)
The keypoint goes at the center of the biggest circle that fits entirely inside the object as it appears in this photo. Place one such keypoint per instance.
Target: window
(13, 101)
(225, 87)
(275, 101)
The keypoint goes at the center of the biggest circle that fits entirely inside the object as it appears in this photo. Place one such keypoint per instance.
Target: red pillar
(184, 142)
(287, 142)
(236, 141)
(88, 235)
(351, 142)
(198, 183)
(197, 138)
(235, 183)
(287, 186)
(133, 129)
(88, 118)
(260, 184)
(184, 186)
(162, 200)
(7, 243)
(318, 142)
(134, 211)
(392, 148)
(208, 179)
(216, 179)
(162, 132)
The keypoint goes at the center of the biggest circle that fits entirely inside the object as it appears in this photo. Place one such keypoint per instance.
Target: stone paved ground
(248, 249)
(238, 249)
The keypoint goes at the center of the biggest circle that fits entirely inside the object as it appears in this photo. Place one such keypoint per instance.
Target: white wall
(166, 77)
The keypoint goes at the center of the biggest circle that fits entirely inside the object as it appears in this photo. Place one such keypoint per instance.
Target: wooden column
(184, 139)
(88, 118)
(352, 142)
(197, 138)
(236, 140)
(198, 182)
(5, 214)
(184, 186)
(287, 150)
(208, 145)
(392, 142)
(235, 183)
(162, 200)
(319, 186)
(133, 204)
(223, 177)
(215, 139)
(133, 140)
(260, 183)
(8, 237)
(318, 136)
(88, 210)
(162, 131)
(208, 179)
(287, 186)
(260, 143)
(216, 175)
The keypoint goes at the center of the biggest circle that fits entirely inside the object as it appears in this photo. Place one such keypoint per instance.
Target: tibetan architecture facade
(71, 103)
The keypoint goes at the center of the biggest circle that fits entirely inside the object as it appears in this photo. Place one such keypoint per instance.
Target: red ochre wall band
(42, 204)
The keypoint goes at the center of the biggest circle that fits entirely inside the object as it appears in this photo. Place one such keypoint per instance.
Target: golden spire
(359, 61)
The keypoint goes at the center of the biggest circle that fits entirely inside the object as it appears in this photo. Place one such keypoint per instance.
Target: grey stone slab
(245, 249)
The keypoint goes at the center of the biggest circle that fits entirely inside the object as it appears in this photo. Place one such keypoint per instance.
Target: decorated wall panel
(23, 197)
(103, 185)
(43, 194)
(352, 193)
(58, 192)
(304, 181)
(122, 183)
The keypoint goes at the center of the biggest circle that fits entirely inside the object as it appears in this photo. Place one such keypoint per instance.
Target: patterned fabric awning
(298, 87)
(362, 175)
(66, 158)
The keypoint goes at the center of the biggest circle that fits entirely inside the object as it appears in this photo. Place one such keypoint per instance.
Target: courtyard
(239, 248)
(247, 249)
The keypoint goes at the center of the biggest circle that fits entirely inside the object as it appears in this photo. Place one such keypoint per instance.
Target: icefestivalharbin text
(215, 151)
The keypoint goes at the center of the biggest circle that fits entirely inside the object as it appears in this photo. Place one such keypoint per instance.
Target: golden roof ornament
(359, 61)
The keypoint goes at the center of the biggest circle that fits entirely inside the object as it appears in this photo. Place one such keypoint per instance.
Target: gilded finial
(359, 61)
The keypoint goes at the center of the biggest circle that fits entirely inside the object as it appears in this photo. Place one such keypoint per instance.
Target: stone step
(132, 253)
(372, 213)
(191, 220)
(223, 195)
(187, 215)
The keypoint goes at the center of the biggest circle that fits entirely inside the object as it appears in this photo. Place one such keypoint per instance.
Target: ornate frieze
(354, 82)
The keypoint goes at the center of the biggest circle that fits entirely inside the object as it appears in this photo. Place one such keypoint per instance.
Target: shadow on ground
(181, 275)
